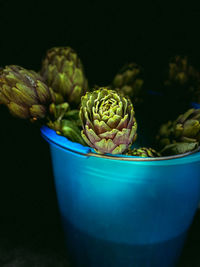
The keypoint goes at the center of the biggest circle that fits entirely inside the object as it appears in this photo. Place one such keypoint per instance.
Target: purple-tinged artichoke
(63, 72)
(24, 93)
(108, 121)
(143, 152)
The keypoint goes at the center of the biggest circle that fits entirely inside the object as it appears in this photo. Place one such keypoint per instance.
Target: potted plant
(121, 204)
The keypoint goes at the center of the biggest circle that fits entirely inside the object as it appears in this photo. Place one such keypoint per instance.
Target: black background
(106, 35)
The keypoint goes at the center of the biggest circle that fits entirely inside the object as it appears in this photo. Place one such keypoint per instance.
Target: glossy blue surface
(123, 213)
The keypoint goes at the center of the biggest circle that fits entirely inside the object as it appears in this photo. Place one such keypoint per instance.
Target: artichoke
(63, 71)
(65, 122)
(185, 129)
(182, 79)
(63, 111)
(57, 112)
(24, 93)
(143, 152)
(129, 81)
(165, 134)
(178, 148)
(108, 121)
(187, 126)
(68, 129)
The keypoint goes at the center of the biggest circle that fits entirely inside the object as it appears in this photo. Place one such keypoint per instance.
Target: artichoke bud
(58, 111)
(129, 81)
(164, 135)
(65, 122)
(68, 129)
(182, 79)
(24, 93)
(63, 72)
(108, 121)
(55, 125)
(187, 125)
(178, 148)
(62, 111)
(73, 115)
(143, 152)
(185, 129)
(59, 99)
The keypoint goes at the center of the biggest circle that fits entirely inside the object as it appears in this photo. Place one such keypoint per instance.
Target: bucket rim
(132, 158)
(51, 136)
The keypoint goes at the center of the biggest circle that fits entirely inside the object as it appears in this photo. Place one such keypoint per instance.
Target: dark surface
(42, 245)
(190, 255)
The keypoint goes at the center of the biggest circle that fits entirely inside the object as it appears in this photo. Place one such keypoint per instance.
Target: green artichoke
(165, 134)
(68, 129)
(187, 126)
(63, 71)
(65, 122)
(178, 148)
(181, 71)
(108, 121)
(24, 93)
(73, 115)
(63, 111)
(57, 112)
(129, 81)
(182, 79)
(185, 129)
(143, 152)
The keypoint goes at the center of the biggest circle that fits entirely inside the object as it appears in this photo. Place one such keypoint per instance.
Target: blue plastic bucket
(123, 212)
